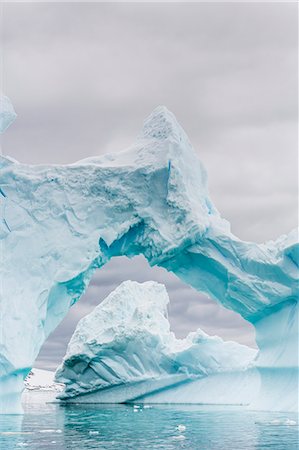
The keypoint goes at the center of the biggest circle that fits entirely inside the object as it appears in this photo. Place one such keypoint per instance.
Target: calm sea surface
(80, 427)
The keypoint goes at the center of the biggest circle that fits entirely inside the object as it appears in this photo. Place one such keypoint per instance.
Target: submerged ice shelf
(60, 223)
(124, 351)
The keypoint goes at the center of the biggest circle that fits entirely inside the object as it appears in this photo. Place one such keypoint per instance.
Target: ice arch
(60, 223)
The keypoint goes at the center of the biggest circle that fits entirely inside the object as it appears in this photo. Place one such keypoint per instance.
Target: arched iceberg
(58, 224)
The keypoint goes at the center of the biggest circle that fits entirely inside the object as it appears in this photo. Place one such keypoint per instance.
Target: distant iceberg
(7, 113)
(124, 351)
(58, 224)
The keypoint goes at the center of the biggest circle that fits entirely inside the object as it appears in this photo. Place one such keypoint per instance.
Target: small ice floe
(50, 431)
(275, 422)
(181, 428)
(7, 433)
(47, 431)
(288, 422)
(147, 407)
(180, 437)
(136, 406)
(94, 432)
(53, 442)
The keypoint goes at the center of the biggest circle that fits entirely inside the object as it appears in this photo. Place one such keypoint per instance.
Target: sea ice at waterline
(58, 224)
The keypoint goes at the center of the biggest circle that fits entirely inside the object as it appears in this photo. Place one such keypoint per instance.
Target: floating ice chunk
(180, 437)
(290, 422)
(276, 422)
(47, 431)
(279, 422)
(181, 428)
(4, 433)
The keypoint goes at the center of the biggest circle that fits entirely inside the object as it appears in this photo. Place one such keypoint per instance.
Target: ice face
(124, 350)
(60, 223)
(7, 113)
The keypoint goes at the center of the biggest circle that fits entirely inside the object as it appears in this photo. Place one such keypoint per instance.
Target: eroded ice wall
(59, 223)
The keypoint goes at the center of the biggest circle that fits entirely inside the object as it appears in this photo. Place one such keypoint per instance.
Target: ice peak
(162, 124)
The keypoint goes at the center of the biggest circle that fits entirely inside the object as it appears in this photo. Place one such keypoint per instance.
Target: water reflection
(80, 427)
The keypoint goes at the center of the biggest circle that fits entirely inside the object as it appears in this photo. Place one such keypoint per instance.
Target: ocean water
(116, 427)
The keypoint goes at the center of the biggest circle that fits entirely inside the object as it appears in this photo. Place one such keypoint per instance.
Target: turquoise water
(80, 427)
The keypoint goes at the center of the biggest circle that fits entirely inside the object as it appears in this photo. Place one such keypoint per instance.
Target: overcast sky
(83, 77)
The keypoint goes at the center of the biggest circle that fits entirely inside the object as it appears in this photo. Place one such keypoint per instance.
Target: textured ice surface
(7, 113)
(124, 349)
(59, 223)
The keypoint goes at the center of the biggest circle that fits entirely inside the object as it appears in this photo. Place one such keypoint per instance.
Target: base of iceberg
(277, 336)
(278, 390)
(260, 391)
(10, 394)
(232, 388)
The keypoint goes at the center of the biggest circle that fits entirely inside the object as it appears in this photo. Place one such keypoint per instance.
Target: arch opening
(188, 309)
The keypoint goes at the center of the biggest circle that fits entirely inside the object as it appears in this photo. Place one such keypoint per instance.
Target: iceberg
(59, 223)
(124, 351)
